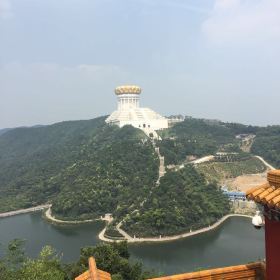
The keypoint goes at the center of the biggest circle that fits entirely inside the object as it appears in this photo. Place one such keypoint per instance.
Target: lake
(234, 242)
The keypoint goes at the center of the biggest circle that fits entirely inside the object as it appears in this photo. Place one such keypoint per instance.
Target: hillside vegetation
(197, 138)
(182, 202)
(200, 137)
(87, 168)
(84, 168)
(267, 145)
(112, 258)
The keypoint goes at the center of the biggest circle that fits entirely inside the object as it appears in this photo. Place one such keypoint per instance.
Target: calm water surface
(235, 242)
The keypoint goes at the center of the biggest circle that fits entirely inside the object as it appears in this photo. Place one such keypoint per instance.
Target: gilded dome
(128, 89)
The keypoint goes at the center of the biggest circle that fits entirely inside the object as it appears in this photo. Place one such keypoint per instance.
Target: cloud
(5, 9)
(234, 21)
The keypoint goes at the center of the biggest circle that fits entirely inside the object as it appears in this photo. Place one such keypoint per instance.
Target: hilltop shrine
(129, 111)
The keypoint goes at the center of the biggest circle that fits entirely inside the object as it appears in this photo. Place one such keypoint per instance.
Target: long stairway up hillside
(161, 165)
(152, 134)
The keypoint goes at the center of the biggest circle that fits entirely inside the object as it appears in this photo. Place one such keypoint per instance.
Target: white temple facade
(130, 113)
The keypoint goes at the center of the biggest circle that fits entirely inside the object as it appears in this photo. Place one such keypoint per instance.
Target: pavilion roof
(93, 273)
(269, 193)
(252, 271)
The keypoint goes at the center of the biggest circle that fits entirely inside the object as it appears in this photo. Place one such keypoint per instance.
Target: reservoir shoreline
(128, 238)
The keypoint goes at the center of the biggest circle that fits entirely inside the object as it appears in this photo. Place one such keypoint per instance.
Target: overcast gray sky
(62, 59)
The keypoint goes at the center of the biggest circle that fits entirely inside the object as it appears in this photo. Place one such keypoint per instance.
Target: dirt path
(265, 163)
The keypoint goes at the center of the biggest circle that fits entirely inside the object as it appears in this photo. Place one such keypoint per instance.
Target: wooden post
(272, 248)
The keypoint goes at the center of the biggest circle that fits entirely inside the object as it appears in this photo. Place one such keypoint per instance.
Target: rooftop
(252, 271)
(128, 89)
(93, 273)
(267, 194)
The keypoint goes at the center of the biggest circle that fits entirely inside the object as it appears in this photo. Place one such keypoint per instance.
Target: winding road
(130, 239)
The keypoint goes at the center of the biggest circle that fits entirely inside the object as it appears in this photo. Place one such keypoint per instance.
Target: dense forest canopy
(182, 202)
(83, 168)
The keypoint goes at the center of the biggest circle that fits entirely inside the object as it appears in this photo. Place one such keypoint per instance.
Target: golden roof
(128, 89)
(269, 193)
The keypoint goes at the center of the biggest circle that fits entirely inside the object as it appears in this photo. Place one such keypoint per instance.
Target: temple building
(130, 113)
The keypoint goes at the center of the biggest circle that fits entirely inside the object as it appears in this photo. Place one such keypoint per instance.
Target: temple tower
(129, 111)
(128, 97)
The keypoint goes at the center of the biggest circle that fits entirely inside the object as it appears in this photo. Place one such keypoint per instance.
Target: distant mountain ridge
(4, 130)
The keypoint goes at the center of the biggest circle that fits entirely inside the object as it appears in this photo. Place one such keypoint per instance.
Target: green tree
(46, 267)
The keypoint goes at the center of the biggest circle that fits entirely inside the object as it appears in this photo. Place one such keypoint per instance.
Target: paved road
(24, 211)
(130, 239)
(199, 160)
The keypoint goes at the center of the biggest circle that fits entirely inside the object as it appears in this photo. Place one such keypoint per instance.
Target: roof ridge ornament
(273, 177)
(128, 89)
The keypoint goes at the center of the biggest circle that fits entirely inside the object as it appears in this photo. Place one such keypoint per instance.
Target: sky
(217, 59)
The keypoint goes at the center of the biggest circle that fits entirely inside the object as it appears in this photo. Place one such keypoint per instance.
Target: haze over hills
(4, 130)
(88, 168)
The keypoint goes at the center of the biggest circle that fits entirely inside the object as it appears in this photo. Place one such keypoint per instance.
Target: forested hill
(88, 168)
(200, 137)
(267, 144)
(183, 202)
(84, 167)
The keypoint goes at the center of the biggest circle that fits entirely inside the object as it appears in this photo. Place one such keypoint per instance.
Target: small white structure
(129, 112)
